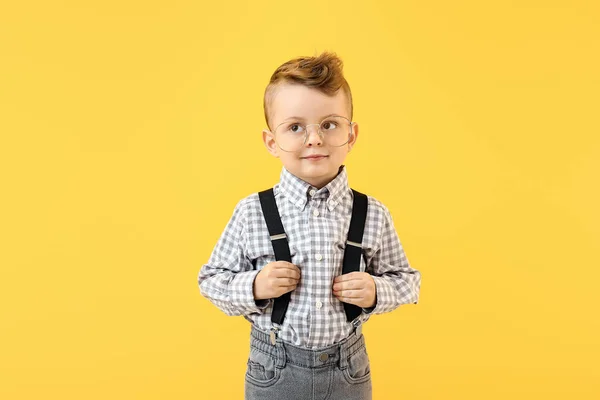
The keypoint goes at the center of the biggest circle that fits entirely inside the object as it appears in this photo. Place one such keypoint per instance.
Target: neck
(322, 181)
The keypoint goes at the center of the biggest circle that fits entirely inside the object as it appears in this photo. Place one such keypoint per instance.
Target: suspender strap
(353, 250)
(280, 247)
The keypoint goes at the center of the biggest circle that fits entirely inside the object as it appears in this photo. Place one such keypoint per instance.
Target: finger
(349, 294)
(286, 282)
(286, 273)
(286, 265)
(352, 276)
(354, 284)
(351, 300)
(348, 300)
(287, 287)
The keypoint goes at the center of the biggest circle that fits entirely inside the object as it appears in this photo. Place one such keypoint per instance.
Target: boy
(286, 261)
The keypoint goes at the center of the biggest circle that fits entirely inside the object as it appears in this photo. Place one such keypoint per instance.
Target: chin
(316, 173)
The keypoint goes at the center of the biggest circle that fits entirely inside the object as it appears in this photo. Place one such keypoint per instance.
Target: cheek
(339, 154)
(288, 158)
(290, 161)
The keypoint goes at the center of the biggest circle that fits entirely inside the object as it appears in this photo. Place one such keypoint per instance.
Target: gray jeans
(287, 372)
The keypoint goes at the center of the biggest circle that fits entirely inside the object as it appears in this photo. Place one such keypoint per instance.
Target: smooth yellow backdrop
(129, 130)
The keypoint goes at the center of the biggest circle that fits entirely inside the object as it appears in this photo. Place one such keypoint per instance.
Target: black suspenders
(280, 246)
(352, 252)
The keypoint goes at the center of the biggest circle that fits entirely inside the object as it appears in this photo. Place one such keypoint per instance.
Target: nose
(313, 138)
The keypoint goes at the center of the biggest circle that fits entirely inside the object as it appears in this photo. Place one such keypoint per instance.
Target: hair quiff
(322, 72)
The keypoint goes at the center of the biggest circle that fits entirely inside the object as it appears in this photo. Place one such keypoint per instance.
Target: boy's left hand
(355, 288)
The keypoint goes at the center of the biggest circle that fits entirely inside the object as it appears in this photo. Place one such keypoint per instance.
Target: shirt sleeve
(396, 282)
(227, 279)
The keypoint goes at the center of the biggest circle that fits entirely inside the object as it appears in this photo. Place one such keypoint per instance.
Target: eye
(329, 125)
(295, 128)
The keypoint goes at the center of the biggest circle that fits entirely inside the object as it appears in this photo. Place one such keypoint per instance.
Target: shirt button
(319, 305)
(316, 213)
(312, 192)
(319, 257)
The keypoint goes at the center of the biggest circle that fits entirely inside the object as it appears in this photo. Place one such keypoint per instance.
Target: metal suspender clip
(357, 326)
(280, 236)
(273, 333)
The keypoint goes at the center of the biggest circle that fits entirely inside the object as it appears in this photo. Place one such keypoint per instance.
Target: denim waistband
(285, 352)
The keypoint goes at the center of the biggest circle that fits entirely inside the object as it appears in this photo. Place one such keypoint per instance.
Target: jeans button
(323, 357)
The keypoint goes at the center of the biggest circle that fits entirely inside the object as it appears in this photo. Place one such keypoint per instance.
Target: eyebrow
(303, 119)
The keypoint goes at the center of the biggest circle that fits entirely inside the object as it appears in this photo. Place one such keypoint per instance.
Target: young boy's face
(297, 103)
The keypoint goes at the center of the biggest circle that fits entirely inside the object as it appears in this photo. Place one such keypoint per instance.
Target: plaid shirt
(316, 223)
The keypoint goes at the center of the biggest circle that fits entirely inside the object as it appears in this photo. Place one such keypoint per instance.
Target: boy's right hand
(275, 279)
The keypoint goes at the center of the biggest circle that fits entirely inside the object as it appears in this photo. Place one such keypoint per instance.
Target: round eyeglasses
(334, 130)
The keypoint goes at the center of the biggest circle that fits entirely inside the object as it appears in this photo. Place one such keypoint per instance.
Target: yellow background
(129, 130)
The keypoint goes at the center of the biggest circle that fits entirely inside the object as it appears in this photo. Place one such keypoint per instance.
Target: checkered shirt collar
(298, 191)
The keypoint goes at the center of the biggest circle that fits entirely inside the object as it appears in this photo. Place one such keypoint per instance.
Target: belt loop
(344, 355)
(281, 358)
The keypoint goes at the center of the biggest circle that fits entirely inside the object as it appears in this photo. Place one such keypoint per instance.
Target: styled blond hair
(323, 72)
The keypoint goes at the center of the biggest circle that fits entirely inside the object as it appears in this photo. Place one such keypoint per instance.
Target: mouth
(315, 157)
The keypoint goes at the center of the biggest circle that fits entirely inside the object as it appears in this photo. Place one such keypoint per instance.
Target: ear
(269, 141)
(354, 136)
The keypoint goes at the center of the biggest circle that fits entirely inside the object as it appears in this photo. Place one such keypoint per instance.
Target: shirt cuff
(384, 290)
(242, 295)
(370, 309)
(262, 304)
